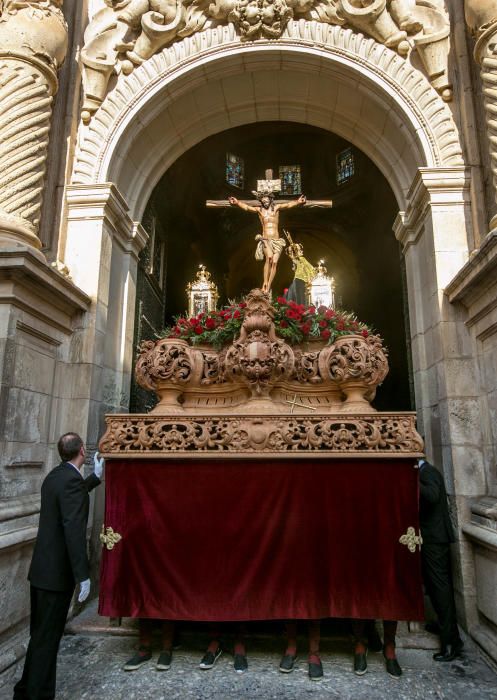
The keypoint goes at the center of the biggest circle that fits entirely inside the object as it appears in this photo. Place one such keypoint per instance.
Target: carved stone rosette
(33, 44)
(481, 17)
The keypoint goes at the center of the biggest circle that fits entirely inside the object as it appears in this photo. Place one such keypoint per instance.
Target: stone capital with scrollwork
(33, 44)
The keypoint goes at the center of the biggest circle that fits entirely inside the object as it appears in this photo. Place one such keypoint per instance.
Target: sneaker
(393, 668)
(164, 660)
(287, 663)
(360, 664)
(210, 658)
(141, 657)
(240, 665)
(315, 670)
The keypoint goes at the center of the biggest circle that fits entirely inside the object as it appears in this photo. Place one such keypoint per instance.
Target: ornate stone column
(481, 18)
(33, 44)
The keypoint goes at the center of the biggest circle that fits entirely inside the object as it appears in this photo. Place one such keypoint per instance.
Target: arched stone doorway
(354, 237)
(335, 80)
(185, 94)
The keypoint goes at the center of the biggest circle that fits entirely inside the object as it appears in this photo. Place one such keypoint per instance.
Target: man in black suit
(437, 534)
(59, 562)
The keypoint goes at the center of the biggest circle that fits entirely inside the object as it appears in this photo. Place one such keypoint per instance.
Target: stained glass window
(345, 166)
(235, 170)
(157, 246)
(290, 179)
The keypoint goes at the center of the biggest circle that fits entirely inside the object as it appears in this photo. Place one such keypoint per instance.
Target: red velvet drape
(245, 540)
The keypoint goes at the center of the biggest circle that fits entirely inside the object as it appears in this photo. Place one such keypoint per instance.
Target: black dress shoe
(450, 652)
(393, 668)
(209, 659)
(164, 660)
(287, 663)
(315, 670)
(360, 664)
(240, 664)
(137, 660)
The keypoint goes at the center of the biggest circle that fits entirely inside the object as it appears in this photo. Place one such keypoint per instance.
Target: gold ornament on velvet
(411, 540)
(109, 538)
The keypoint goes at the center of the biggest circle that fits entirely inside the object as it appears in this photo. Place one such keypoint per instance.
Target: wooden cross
(268, 186)
(294, 403)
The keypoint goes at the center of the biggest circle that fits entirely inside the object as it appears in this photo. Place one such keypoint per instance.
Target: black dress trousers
(437, 575)
(48, 618)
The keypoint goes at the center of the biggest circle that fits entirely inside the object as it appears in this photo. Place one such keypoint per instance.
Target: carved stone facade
(128, 32)
(154, 78)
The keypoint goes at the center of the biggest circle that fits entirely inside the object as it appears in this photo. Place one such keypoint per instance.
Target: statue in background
(304, 272)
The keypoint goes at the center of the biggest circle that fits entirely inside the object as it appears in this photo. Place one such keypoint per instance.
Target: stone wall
(474, 291)
(66, 331)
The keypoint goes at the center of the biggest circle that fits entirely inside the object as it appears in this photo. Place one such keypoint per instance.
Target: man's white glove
(84, 590)
(98, 465)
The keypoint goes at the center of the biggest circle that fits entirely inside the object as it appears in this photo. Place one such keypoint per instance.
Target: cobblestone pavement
(90, 668)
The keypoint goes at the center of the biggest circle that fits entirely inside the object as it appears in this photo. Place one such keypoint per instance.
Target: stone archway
(306, 77)
(315, 74)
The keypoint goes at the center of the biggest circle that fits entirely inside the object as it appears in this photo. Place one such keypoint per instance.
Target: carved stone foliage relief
(125, 33)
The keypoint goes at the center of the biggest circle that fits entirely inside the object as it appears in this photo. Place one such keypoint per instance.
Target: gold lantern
(202, 293)
(321, 290)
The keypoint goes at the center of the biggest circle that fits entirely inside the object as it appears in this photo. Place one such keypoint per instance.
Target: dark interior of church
(354, 237)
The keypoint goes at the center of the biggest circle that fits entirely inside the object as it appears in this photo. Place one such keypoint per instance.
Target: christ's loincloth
(276, 246)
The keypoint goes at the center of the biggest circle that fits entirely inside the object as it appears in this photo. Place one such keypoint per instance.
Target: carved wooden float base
(224, 436)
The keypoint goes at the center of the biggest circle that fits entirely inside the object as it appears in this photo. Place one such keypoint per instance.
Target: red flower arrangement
(293, 322)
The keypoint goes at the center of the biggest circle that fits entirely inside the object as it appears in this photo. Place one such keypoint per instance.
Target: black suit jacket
(59, 557)
(434, 518)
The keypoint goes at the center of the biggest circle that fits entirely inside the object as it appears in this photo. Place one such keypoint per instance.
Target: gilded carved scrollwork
(258, 358)
(149, 435)
(307, 367)
(260, 365)
(165, 367)
(354, 357)
(253, 379)
(33, 44)
(126, 33)
(165, 361)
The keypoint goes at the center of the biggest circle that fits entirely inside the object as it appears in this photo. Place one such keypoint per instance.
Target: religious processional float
(263, 484)
(263, 376)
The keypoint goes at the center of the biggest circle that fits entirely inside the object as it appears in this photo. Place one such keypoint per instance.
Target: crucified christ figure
(270, 245)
